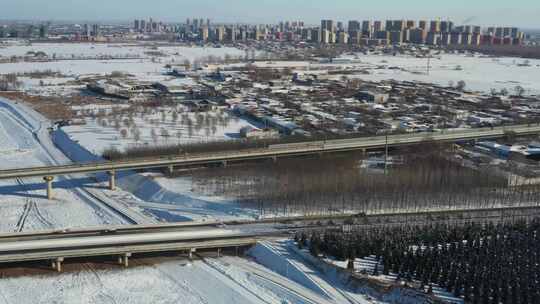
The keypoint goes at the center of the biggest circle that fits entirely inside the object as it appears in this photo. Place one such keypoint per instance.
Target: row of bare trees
(336, 184)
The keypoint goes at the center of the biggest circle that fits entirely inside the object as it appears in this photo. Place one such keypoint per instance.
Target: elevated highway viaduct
(125, 242)
(270, 152)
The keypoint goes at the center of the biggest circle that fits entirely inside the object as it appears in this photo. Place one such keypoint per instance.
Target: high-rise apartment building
(446, 26)
(231, 34)
(367, 28)
(343, 38)
(220, 34)
(466, 38)
(455, 38)
(355, 37)
(396, 37)
(86, 31)
(328, 25)
(43, 31)
(95, 30)
(204, 33)
(316, 35)
(382, 35)
(417, 36)
(400, 25)
(353, 26)
(326, 36)
(378, 26)
(433, 38)
(340, 26)
(142, 25)
(389, 25)
(435, 26)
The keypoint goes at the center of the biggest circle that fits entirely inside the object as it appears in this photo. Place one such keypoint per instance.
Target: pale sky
(523, 13)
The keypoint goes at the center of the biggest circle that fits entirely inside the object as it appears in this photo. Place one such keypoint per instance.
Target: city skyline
(522, 13)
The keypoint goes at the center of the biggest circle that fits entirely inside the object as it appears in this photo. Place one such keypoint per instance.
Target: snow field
(163, 126)
(170, 282)
(479, 73)
(26, 197)
(169, 200)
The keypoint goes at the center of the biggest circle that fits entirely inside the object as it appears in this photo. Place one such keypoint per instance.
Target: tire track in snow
(231, 278)
(91, 271)
(22, 220)
(4, 296)
(274, 279)
(183, 285)
(319, 278)
(30, 207)
(40, 216)
(37, 132)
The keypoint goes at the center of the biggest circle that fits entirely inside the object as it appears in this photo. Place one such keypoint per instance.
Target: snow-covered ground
(276, 275)
(367, 265)
(24, 142)
(479, 73)
(213, 281)
(168, 199)
(175, 200)
(282, 276)
(158, 127)
(80, 60)
(70, 50)
(325, 281)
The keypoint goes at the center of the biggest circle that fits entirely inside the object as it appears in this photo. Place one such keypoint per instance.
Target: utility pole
(428, 62)
(386, 154)
(324, 129)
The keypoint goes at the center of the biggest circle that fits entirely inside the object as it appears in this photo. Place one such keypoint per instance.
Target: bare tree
(163, 115)
(136, 134)
(461, 85)
(154, 135)
(519, 90)
(164, 133)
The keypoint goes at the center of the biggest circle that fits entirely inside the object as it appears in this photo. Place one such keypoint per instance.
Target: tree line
(478, 262)
(338, 184)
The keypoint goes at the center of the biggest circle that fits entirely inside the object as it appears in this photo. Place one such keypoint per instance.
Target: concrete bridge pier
(219, 252)
(170, 170)
(49, 181)
(112, 180)
(124, 259)
(191, 252)
(57, 264)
